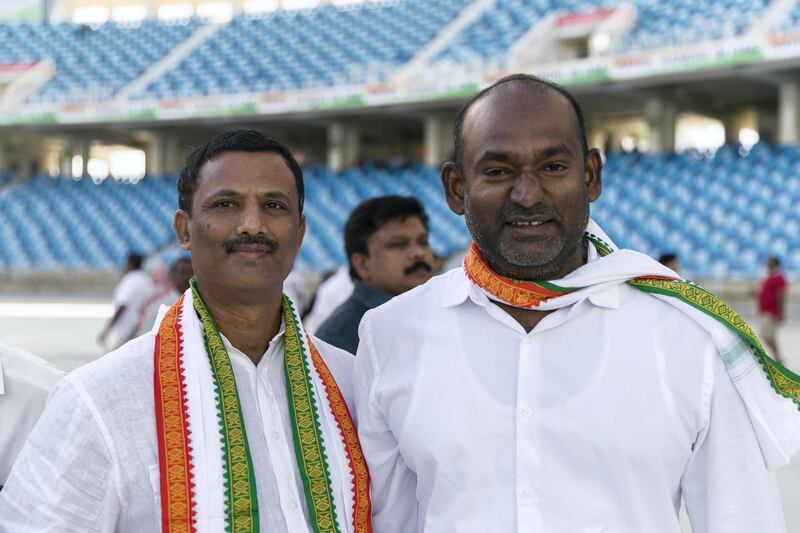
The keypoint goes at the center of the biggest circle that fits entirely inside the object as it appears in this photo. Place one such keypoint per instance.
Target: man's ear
(360, 263)
(180, 223)
(453, 184)
(593, 174)
(303, 224)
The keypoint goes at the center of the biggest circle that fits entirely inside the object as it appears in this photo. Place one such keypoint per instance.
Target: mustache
(417, 265)
(270, 245)
(513, 210)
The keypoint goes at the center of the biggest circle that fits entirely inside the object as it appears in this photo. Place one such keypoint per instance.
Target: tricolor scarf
(207, 478)
(771, 395)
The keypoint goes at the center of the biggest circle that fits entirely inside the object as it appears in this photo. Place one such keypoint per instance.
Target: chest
(595, 386)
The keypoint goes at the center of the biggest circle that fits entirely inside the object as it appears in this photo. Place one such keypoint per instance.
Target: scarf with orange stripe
(207, 478)
(771, 395)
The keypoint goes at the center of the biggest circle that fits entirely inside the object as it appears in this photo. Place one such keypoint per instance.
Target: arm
(103, 334)
(63, 480)
(726, 485)
(394, 485)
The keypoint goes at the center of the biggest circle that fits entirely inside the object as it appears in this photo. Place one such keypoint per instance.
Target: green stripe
(240, 489)
(306, 428)
(733, 321)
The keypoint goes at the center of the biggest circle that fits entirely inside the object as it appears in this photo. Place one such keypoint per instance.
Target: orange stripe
(172, 428)
(362, 508)
(518, 294)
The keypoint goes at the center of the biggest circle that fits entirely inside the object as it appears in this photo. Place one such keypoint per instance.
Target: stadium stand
(658, 23)
(325, 46)
(721, 214)
(90, 64)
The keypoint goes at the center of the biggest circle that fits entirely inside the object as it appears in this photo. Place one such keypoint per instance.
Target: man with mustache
(226, 416)
(556, 383)
(386, 240)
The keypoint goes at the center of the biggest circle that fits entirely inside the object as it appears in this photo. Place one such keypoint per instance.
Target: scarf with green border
(207, 479)
(772, 395)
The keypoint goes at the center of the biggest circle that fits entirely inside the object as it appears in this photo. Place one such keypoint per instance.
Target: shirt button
(526, 493)
(293, 505)
(527, 340)
(274, 435)
(526, 412)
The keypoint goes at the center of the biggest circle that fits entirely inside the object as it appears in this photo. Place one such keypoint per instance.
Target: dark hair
(134, 261)
(239, 140)
(536, 82)
(774, 259)
(666, 258)
(371, 215)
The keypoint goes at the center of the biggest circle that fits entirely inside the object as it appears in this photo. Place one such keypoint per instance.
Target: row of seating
(327, 46)
(723, 215)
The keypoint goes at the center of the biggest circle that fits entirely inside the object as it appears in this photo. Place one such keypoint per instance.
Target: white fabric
(25, 382)
(331, 293)
(775, 418)
(91, 464)
(600, 419)
(205, 433)
(133, 291)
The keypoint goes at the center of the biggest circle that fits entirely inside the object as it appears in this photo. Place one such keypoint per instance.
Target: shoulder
(27, 370)
(121, 376)
(668, 310)
(425, 298)
(351, 309)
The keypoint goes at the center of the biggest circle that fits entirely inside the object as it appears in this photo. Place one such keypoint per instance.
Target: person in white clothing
(131, 295)
(25, 382)
(554, 383)
(226, 416)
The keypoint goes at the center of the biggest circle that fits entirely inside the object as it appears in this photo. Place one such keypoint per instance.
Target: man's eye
(555, 167)
(223, 203)
(496, 172)
(273, 205)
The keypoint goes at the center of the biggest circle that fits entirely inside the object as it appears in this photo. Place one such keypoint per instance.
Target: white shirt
(598, 420)
(331, 293)
(133, 291)
(91, 465)
(25, 382)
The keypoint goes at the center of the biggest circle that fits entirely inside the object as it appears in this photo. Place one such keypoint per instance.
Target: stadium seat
(722, 215)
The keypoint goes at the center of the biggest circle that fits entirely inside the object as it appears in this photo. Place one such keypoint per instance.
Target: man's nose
(251, 220)
(527, 190)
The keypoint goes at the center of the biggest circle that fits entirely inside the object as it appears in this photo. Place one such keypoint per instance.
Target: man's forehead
(518, 104)
(264, 170)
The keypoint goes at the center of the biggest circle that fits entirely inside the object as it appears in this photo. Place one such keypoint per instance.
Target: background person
(772, 305)
(133, 291)
(386, 241)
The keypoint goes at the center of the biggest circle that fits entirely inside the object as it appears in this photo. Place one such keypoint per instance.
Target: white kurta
(598, 420)
(91, 463)
(25, 382)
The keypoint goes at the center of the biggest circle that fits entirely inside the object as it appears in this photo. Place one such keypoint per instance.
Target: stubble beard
(548, 264)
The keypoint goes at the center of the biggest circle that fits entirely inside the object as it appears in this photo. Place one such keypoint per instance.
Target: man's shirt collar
(460, 287)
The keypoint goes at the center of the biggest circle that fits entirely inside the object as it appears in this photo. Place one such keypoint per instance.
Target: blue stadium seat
(722, 215)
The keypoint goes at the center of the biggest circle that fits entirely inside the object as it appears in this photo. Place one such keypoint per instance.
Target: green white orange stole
(770, 392)
(207, 478)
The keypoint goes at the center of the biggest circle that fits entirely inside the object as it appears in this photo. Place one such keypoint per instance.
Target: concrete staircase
(171, 60)
(441, 40)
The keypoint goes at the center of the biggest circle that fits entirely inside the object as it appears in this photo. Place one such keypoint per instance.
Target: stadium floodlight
(91, 15)
(219, 12)
(748, 138)
(175, 11)
(599, 42)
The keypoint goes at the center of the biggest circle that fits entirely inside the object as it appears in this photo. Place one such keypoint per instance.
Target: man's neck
(249, 326)
(529, 318)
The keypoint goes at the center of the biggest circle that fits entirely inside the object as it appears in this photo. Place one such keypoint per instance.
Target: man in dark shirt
(386, 241)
